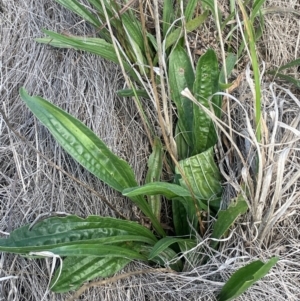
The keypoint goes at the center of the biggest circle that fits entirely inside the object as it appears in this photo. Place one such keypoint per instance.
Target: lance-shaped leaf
(183, 206)
(181, 76)
(101, 246)
(206, 84)
(167, 257)
(243, 278)
(183, 149)
(81, 143)
(190, 26)
(210, 4)
(227, 217)
(155, 164)
(93, 45)
(131, 93)
(56, 232)
(80, 10)
(87, 149)
(133, 27)
(165, 242)
(98, 250)
(168, 190)
(168, 16)
(77, 270)
(287, 78)
(180, 217)
(190, 9)
(229, 65)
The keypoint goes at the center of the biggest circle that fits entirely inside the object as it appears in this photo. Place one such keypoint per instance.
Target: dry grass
(84, 85)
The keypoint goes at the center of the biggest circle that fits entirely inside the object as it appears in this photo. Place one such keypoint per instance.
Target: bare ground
(85, 86)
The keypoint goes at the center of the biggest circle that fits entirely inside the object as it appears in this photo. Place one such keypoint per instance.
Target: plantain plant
(101, 246)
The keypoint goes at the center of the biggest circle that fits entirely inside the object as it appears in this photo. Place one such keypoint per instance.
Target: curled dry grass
(85, 86)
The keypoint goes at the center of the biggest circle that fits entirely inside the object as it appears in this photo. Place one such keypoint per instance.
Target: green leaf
(255, 9)
(96, 4)
(138, 55)
(202, 174)
(227, 217)
(133, 29)
(103, 242)
(152, 40)
(187, 245)
(99, 250)
(229, 65)
(190, 9)
(181, 76)
(132, 93)
(155, 165)
(185, 219)
(225, 86)
(287, 78)
(92, 45)
(214, 204)
(210, 4)
(168, 16)
(165, 258)
(104, 245)
(87, 149)
(80, 10)
(165, 242)
(183, 205)
(168, 190)
(81, 143)
(206, 84)
(183, 149)
(228, 21)
(259, 28)
(77, 270)
(193, 24)
(180, 217)
(57, 232)
(134, 39)
(294, 63)
(243, 278)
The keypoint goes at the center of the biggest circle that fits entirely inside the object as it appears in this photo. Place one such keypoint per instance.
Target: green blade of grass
(251, 41)
(287, 78)
(256, 8)
(80, 10)
(294, 63)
